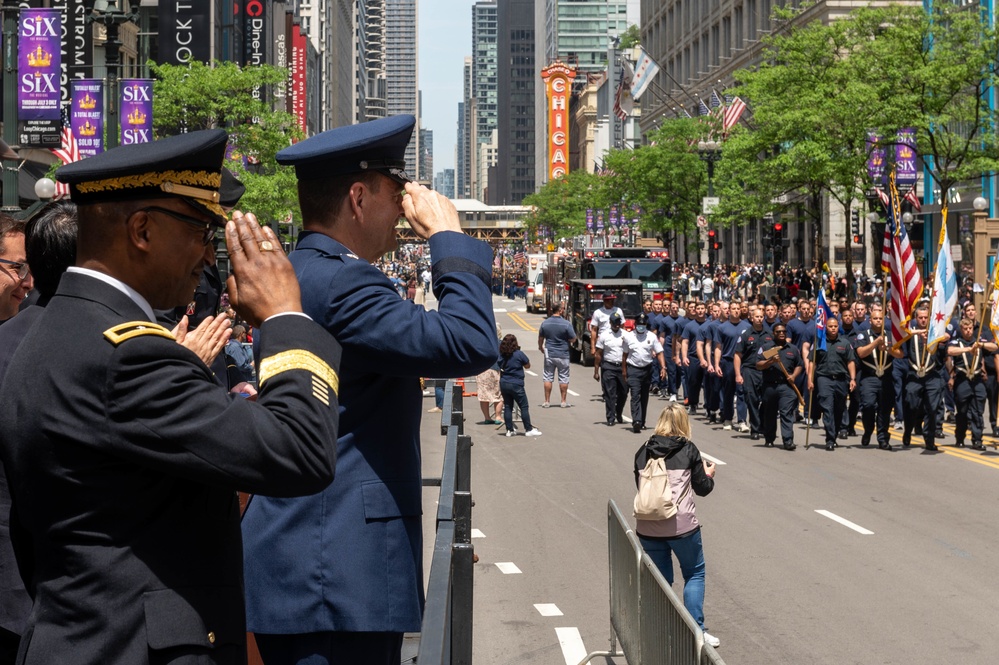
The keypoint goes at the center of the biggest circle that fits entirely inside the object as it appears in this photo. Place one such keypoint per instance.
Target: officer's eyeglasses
(19, 267)
(207, 228)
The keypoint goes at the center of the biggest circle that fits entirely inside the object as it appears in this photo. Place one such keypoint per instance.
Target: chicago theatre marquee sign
(558, 85)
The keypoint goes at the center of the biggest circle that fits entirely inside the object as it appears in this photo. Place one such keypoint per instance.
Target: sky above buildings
(445, 33)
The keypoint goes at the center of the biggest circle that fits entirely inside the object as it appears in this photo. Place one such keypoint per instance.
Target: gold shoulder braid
(322, 374)
(125, 331)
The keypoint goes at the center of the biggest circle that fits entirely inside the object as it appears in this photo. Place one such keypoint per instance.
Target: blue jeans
(690, 553)
(514, 392)
(439, 397)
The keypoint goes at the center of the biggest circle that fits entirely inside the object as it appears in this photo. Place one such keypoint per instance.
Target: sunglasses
(20, 268)
(208, 230)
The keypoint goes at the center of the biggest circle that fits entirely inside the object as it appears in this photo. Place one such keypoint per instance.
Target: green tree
(196, 96)
(561, 204)
(630, 38)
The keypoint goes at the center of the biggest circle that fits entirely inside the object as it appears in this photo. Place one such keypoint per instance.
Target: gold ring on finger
(266, 246)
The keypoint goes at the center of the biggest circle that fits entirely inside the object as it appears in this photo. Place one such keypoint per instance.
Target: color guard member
(832, 376)
(780, 398)
(968, 374)
(877, 385)
(924, 387)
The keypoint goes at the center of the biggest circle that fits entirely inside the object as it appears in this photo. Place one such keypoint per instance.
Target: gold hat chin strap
(207, 195)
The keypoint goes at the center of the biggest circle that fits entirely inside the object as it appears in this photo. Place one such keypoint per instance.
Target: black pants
(712, 392)
(779, 402)
(639, 382)
(877, 398)
(923, 396)
(695, 376)
(969, 397)
(752, 386)
(331, 648)
(992, 398)
(831, 396)
(853, 408)
(727, 381)
(615, 391)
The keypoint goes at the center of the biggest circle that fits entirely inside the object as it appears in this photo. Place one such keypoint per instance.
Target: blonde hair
(673, 421)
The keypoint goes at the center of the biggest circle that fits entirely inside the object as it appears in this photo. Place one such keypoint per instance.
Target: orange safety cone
(461, 382)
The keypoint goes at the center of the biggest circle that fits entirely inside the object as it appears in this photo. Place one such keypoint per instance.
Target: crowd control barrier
(446, 633)
(646, 616)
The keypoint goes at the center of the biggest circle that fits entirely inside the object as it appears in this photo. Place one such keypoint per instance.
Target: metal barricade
(670, 636)
(446, 633)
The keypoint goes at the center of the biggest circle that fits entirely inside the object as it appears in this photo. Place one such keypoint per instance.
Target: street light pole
(108, 14)
(11, 11)
(709, 152)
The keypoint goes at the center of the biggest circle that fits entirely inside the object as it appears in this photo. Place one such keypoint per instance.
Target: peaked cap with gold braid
(186, 166)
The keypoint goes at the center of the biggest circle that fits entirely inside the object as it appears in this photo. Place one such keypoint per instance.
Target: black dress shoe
(789, 446)
(768, 444)
(959, 444)
(830, 446)
(841, 434)
(851, 432)
(755, 436)
(977, 445)
(636, 427)
(866, 440)
(906, 443)
(611, 423)
(884, 445)
(620, 419)
(932, 447)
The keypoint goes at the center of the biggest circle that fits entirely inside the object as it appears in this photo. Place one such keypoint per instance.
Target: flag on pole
(822, 314)
(994, 321)
(913, 198)
(623, 101)
(645, 70)
(944, 298)
(68, 153)
(702, 108)
(732, 114)
(898, 260)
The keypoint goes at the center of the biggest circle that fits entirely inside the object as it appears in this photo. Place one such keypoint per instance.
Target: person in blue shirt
(554, 337)
(692, 356)
(666, 330)
(513, 362)
(726, 337)
(712, 374)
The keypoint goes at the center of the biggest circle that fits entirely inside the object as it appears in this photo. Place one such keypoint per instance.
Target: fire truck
(651, 266)
(586, 296)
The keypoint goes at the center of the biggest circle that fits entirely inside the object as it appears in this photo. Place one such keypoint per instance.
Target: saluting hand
(429, 212)
(262, 282)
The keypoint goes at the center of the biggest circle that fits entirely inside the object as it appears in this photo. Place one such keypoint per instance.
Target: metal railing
(653, 626)
(446, 633)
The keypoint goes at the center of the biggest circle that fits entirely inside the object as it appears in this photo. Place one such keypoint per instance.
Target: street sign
(702, 221)
(708, 204)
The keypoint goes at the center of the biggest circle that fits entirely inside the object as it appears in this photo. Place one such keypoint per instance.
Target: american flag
(732, 114)
(716, 101)
(519, 255)
(69, 152)
(898, 260)
(913, 198)
(703, 108)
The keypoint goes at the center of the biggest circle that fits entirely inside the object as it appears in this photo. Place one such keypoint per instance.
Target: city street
(853, 556)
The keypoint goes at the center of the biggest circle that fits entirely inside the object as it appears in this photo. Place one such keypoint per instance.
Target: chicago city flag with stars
(944, 293)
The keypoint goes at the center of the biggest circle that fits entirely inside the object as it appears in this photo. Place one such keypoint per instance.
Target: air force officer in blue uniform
(338, 577)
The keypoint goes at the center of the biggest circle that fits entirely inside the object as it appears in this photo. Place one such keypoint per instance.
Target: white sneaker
(743, 427)
(511, 433)
(534, 432)
(545, 405)
(672, 398)
(728, 425)
(711, 640)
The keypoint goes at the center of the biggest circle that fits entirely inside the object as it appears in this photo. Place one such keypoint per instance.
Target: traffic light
(713, 243)
(778, 234)
(711, 235)
(855, 223)
(717, 245)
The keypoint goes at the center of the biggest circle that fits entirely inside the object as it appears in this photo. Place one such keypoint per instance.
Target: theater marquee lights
(558, 84)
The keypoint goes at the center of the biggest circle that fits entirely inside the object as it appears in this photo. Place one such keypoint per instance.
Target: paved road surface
(899, 567)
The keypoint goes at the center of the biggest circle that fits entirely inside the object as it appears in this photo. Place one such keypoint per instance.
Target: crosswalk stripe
(571, 643)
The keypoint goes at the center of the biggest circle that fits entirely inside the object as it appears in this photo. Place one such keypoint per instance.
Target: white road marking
(530, 372)
(712, 459)
(509, 568)
(548, 610)
(477, 534)
(571, 642)
(509, 301)
(627, 420)
(845, 522)
(498, 310)
(573, 393)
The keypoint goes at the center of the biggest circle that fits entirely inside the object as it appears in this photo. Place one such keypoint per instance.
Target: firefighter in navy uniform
(832, 376)
(780, 399)
(851, 331)
(608, 357)
(748, 374)
(924, 386)
(968, 375)
(877, 385)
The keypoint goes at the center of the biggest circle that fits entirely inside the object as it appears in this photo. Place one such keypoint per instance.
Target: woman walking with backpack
(681, 533)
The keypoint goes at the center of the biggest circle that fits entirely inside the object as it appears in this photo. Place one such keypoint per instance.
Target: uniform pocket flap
(400, 498)
(192, 617)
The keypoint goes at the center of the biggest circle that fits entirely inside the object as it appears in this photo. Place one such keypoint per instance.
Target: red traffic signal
(778, 227)
(856, 239)
(717, 245)
(711, 233)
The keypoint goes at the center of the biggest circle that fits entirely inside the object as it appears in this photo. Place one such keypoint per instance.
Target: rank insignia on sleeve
(125, 331)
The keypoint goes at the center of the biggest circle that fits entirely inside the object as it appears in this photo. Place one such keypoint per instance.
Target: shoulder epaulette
(124, 331)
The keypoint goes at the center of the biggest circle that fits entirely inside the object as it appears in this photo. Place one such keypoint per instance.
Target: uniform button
(211, 637)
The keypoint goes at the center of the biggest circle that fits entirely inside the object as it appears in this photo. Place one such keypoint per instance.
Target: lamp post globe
(45, 188)
(873, 217)
(907, 218)
(980, 204)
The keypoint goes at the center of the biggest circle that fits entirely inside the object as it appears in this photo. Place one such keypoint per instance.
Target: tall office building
(444, 183)
(402, 68)
(466, 159)
(426, 171)
(518, 81)
(371, 39)
(484, 80)
(579, 33)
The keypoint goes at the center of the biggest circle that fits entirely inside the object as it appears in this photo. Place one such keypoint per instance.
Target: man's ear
(357, 199)
(139, 229)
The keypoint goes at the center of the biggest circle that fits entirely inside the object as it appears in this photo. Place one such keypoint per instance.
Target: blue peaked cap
(378, 145)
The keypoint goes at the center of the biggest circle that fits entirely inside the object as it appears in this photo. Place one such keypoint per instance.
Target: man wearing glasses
(15, 280)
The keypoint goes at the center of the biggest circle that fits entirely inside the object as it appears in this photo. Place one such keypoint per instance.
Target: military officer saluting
(969, 377)
(123, 485)
(607, 369)
(338, 576)
(832, 376)
(780, 397)
(877, 385)
(642, 350)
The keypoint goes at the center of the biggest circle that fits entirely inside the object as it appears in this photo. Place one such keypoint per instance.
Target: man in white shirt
(607, 368)
(600, 321)
(640, 348)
